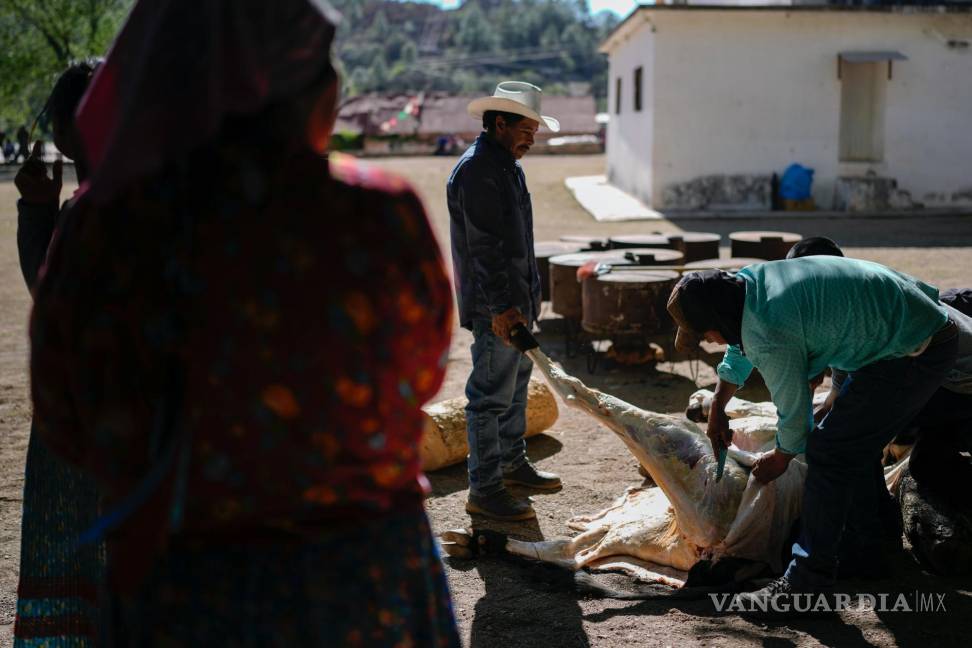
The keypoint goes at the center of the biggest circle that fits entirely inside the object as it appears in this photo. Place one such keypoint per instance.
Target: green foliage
(470, 49)
(39, 39)
(382, 45)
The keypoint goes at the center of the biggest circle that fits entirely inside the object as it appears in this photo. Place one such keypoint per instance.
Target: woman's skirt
(377, 582)
(60, 581)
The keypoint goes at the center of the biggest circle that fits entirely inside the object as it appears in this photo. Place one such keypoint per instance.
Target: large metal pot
(565, 291)
(696, 245)
(543, 250)
(652, 256)
(627, 303)
(653, 240)
(731, 265)
(587, 242)
(767, 245)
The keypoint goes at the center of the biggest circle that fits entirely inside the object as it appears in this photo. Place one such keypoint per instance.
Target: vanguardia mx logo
(820, 602)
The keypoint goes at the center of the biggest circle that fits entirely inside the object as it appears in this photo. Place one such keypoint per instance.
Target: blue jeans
(841, 493)
(496, 413)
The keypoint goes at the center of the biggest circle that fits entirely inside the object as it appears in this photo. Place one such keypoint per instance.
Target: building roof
(641, 14)
(441, 113)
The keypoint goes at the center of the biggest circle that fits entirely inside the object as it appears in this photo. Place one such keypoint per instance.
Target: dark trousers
(875, 403)
(496, 413)
(944, 430)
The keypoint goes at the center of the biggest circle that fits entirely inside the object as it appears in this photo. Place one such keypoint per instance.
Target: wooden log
(444, 439)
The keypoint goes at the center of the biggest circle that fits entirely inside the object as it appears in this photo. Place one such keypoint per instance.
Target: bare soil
(502, 604)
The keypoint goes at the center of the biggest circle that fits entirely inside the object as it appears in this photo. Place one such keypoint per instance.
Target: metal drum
(565, 292)
(587, 242)
(770, 246)
(696, 245)
(653, 240)
(653, 256)
(628, 304)
(543, 250)
(731, 264)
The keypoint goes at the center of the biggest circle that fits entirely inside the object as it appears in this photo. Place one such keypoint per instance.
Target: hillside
(390, 46)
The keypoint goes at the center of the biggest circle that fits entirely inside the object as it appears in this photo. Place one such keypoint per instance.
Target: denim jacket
(491, 224)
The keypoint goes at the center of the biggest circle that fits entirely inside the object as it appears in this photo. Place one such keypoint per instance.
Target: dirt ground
(500, 604)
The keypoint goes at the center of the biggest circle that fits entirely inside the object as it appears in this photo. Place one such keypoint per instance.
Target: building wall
(629, 134)
(749, 92)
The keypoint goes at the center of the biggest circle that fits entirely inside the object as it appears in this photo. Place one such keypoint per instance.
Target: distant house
(414, 124)
(708, 101)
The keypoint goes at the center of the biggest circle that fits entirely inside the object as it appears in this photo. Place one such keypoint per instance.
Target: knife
(721, 467)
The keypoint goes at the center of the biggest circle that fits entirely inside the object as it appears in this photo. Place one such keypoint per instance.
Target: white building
(716, 98)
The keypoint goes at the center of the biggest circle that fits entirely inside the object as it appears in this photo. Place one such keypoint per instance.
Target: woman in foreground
(235, 336)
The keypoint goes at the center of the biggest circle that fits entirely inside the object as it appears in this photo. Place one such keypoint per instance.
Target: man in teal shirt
(792, 319)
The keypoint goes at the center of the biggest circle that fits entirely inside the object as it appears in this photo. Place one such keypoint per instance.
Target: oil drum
(696, 245)
(626, 303)
(653, 240)
(731, 264)
(543, 250)
(586, 242)
(565, 291)
(770, 246)
(653, 256)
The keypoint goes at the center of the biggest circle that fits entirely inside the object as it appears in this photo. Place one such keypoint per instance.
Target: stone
(939, 533)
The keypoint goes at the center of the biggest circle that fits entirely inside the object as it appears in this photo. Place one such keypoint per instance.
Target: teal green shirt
(803, 315)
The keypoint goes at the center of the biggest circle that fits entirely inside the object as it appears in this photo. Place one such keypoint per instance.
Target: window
(617, 96)
(862, 91)
(637, 89)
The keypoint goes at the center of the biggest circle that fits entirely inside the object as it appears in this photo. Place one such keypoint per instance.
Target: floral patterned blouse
(260, 333)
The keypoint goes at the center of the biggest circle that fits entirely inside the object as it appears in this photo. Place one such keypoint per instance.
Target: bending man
(794, 318)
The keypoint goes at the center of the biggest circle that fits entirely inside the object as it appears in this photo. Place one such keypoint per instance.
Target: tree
(379, 26)
(476, 33)
(39, 39)
(409, 53)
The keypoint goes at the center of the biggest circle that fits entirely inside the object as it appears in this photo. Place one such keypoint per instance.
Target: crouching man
(791, 319)
(497, 286)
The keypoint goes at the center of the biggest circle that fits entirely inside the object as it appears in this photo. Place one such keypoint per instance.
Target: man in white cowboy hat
(498, 286)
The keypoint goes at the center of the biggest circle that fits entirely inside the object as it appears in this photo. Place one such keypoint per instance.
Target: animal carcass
(690, 515)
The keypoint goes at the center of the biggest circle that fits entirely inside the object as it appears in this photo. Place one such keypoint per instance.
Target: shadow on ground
(453, 479)
(919, 231)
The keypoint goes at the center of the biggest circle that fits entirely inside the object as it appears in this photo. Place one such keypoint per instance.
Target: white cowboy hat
(514, 97)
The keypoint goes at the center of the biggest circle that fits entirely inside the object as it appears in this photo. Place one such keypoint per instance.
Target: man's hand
(720, 436)
(815, 382)
(505, 321)
(32, 181)
(718, 430)
(771, 465)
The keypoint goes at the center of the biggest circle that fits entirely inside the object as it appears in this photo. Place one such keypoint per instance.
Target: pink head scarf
(178, 67)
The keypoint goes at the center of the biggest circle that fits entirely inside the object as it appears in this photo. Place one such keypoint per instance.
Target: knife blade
(721, 467)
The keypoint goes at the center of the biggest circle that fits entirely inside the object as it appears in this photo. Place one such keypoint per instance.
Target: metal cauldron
(653, 240)
(770, 246)
(653, 256)
(696, 245)
(565, 291)
(731, 265)
(543, 250)
(587, 242)
(626, 304)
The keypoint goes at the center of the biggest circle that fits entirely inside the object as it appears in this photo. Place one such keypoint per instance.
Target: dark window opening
(637, 89)
(617, 96)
